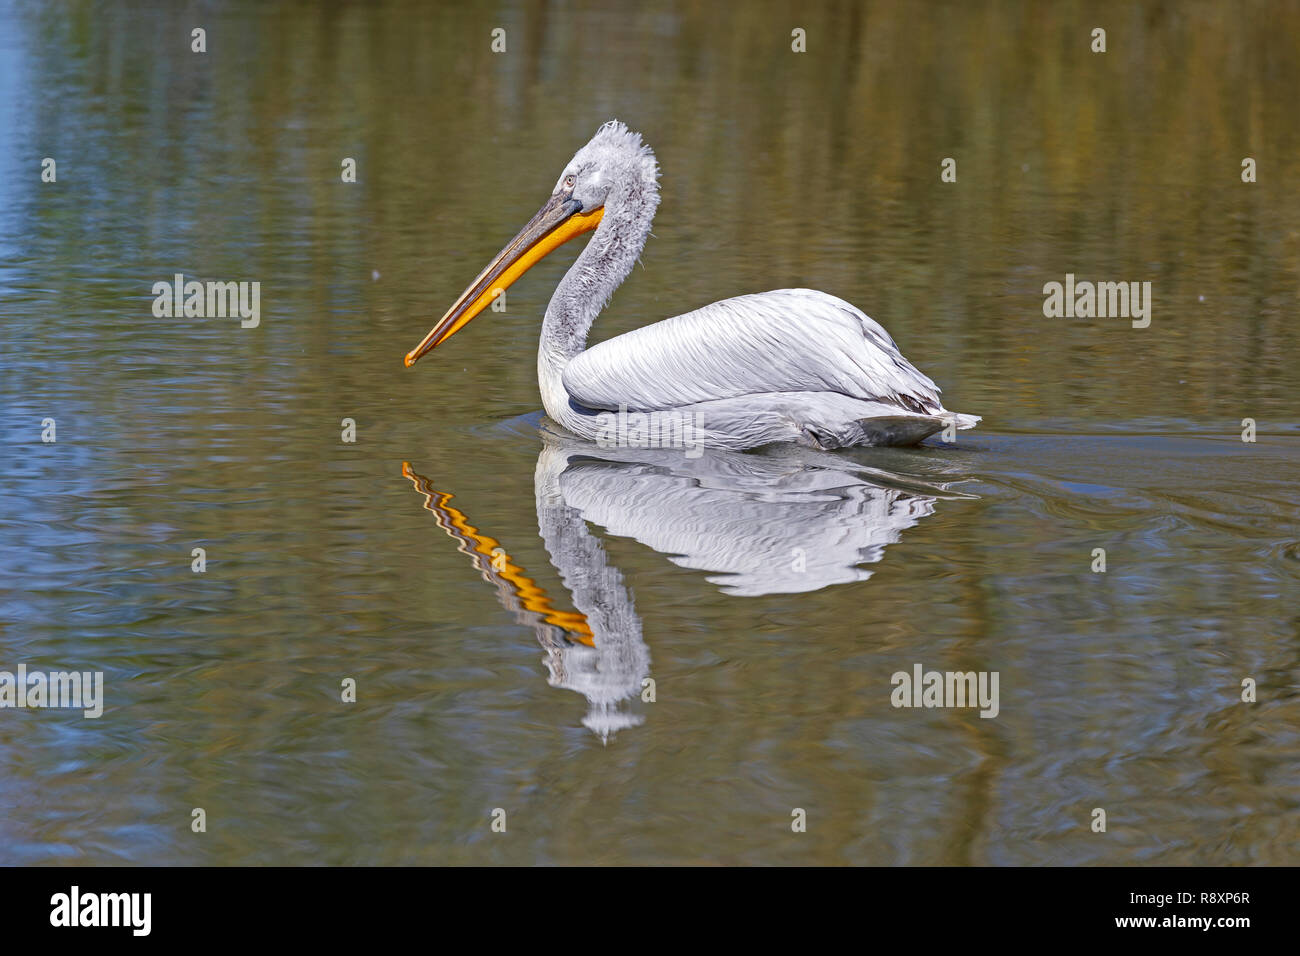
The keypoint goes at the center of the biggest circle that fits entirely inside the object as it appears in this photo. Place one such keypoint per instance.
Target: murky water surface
(500, 594)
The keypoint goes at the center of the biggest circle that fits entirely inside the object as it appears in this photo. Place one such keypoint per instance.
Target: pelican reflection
(794, 520)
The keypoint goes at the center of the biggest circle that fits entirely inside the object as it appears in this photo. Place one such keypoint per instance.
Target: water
(512, 678)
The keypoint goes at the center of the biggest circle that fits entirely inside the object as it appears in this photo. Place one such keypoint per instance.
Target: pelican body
(792, 365)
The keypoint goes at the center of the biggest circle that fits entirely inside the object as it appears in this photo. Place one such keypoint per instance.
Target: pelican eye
(570, 181)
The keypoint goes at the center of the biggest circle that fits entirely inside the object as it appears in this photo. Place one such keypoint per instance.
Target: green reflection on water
(779, 169)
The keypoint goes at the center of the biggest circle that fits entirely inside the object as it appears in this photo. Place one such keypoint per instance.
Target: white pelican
(791, 365)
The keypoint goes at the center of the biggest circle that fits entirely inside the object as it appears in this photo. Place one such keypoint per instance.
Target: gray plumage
(792, 365)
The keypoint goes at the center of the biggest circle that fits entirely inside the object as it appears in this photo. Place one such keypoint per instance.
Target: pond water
(500, 593)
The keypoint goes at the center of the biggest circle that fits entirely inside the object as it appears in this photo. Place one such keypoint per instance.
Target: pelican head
(608, 180)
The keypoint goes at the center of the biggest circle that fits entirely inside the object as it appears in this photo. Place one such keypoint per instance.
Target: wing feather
(790, 340)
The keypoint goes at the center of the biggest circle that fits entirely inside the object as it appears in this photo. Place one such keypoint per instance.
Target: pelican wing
(790, 340)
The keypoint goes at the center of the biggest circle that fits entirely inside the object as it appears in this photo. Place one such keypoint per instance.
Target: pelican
(792, 365)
